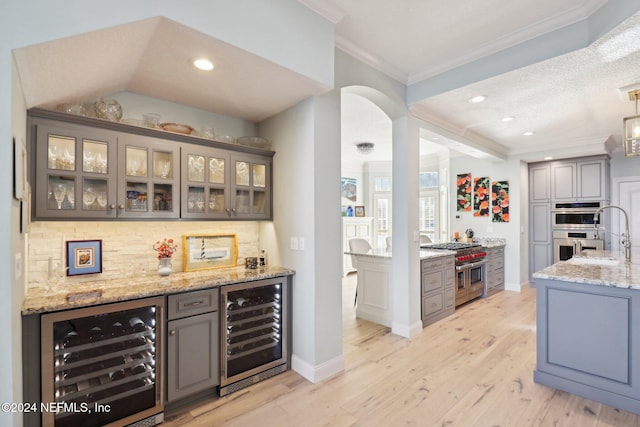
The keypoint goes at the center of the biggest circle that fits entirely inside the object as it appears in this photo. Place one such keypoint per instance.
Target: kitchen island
(374, 293)
(587, 328)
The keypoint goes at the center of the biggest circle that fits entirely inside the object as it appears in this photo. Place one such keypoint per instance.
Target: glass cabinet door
(75, 175)
(251, 192)
(148, 184)
(205, 182)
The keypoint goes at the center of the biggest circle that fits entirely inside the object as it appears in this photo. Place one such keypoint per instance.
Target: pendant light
(632, 129)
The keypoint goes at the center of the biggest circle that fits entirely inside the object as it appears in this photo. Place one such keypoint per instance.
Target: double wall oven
(471, 268)
(574, 229)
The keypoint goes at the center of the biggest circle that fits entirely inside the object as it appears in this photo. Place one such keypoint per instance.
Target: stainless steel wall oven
(102, 365)
(255, 329)
(566, 243)
(575, 215)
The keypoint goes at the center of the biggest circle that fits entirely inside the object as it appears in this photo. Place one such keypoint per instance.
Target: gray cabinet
(250, 189)
(540, 237)
(148, 178)
(205, 183)
(495, 270)
(218, 184)
(540, 183)
(76, 173)
(586, 341)
(193, 331)
(91, 169)
(581, 180)
(437, 285)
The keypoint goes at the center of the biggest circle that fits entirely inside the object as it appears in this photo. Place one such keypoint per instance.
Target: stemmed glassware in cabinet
(59, 192)
(101, 198)
(88, 197)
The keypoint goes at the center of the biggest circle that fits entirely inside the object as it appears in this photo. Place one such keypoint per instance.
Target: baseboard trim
(320, 372)
(407, 331)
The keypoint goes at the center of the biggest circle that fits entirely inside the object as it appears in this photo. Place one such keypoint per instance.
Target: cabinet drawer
(432, 281)
(432, 305)
(192, 303)
(432, 264)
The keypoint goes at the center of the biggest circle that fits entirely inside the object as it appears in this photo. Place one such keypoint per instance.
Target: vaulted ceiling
(559, 68)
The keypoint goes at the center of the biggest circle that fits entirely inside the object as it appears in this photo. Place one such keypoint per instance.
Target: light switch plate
(294, 243)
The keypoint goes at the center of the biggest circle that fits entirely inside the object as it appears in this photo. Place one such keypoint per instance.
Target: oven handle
(471, 265)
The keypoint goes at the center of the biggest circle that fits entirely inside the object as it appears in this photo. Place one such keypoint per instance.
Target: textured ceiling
(573, 102)
(153, 57)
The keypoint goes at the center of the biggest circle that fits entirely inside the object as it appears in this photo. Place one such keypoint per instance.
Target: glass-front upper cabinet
(75, 171)
(148, 178)
(205, 182)
(250, 186)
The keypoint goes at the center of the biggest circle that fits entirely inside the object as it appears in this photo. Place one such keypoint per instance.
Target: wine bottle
(137, 325)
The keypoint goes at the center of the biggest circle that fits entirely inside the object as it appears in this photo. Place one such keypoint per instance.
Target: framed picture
(349, 188)
(84, 257)
(359, 210)
(203, 252)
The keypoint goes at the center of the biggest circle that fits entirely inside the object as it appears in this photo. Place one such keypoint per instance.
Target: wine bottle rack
(254, 317)
(108, 359)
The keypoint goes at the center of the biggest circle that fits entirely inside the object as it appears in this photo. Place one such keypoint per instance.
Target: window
(429, 205)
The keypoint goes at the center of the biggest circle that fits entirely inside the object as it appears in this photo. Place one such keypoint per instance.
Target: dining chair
(361, 246)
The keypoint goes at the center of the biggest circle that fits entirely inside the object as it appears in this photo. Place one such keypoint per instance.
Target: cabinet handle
(121, 207)
(172, 332)
(228, 211)
(194, 303)
(112, 206)
(234, 211)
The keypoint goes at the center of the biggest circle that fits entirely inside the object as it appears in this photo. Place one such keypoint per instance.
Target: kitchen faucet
(626, 241)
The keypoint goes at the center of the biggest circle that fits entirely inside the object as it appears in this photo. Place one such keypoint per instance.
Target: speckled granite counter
(384, 254)
(614, 271)
(490, 242)
(62, 297)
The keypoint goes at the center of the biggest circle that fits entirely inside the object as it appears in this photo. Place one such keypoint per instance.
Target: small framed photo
(203, 252)
(84, 257)
(359, 210)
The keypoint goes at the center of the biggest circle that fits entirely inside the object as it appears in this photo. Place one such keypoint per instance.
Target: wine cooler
(254, 339)
(102, 365)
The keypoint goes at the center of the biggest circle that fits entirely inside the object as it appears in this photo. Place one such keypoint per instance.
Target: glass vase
(164, 266)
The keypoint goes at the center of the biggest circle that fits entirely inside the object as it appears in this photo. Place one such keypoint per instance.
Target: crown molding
(514, 38)
(371, 60)
(325, 8)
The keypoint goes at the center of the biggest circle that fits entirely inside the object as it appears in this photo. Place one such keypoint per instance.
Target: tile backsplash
(127, 246)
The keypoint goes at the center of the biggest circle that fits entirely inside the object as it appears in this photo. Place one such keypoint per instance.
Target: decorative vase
(108, 109)
(164, 266)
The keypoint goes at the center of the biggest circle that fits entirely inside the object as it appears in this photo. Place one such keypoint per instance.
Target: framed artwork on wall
(204, 252)
(359, 210)
(84, 257)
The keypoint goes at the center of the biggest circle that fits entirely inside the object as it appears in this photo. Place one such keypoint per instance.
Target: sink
(594, 261)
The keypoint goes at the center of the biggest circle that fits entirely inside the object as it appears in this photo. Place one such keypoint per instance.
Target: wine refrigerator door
(254, 328)
(103, 365)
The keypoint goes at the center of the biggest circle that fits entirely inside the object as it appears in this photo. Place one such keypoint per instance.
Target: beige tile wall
(127, 246)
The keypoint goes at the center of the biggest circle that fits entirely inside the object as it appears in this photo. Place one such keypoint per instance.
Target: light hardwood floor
(474, 368)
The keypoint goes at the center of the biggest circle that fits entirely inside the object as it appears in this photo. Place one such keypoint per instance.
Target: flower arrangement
(166, 248)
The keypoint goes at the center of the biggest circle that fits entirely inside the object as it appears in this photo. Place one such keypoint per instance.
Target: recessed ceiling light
(529, 133)
(478, 98)
(548, 158)
(203, 64)
(507, 119)
(435, 138)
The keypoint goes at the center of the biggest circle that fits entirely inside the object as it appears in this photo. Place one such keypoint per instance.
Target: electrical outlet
(294, 243)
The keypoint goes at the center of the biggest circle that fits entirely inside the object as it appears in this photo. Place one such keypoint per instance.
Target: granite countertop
(613, 271)
(384, 254)
(490, 242)
(62, 297)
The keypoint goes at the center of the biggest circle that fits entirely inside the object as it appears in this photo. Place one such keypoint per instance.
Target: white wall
(514, 231)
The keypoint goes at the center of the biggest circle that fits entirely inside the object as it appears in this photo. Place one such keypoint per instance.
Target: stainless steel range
(470, 265)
